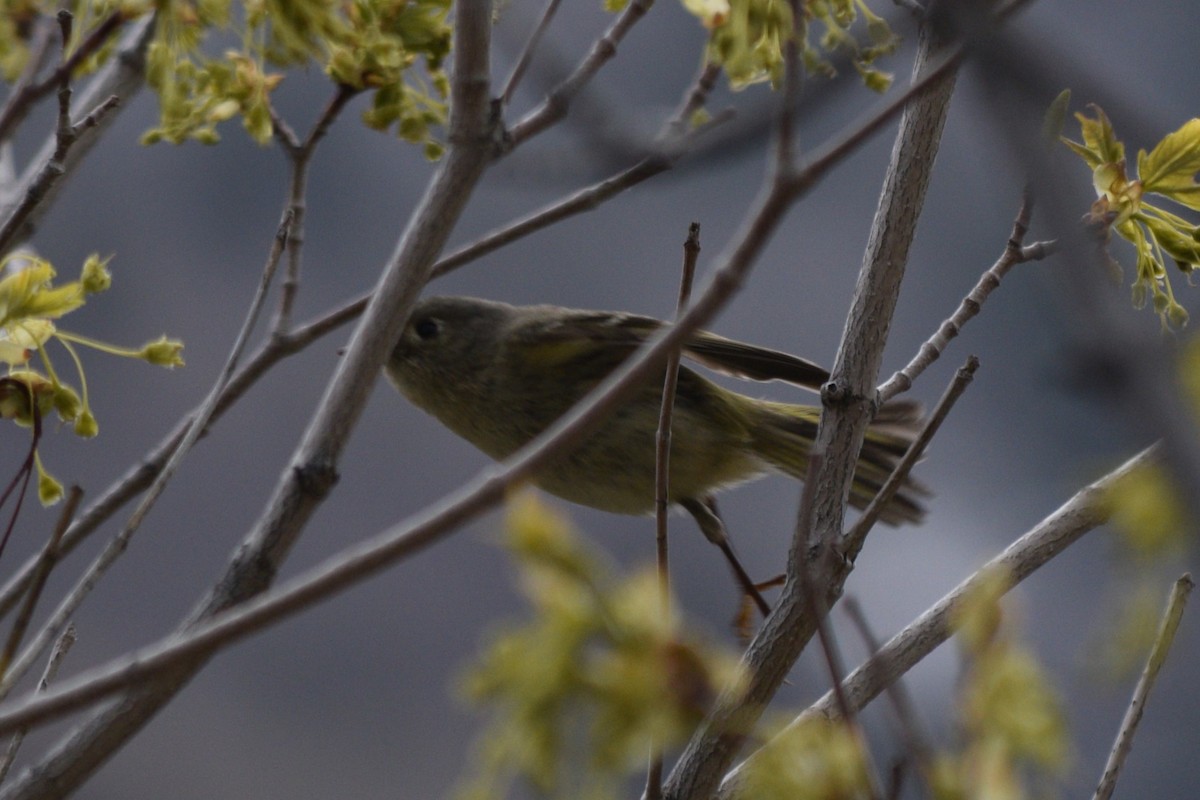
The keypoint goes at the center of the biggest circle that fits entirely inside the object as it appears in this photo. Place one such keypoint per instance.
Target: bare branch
(555, 106)
(662, 469)
(1085, 511)
(26, 94)
(820, 612)
(662, 440)
(913, 737)
(1141, 693)
(173, 659)
(853, 541)
(1015, 252)
(61, 647)
(786, 631)
(45, 562)
(673, 142)
(122, 77)
(299, 154)
(518, 70)
(65, 136)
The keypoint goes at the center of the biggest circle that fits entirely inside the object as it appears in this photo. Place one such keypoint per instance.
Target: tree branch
(1085, 511)
(120, 78)
(1015, 252)
(1141, 693)
(786, 631)
(555, 106)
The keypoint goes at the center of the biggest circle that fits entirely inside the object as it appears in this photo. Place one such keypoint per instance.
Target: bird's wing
(602, 340)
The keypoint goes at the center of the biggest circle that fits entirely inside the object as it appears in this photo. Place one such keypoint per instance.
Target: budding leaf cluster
(747, 38)
(213, 60)
(30, 304)
(1010, 715)
(1122, 206)
(598, 676)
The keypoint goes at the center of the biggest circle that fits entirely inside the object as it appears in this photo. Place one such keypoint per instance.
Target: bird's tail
(785, 434)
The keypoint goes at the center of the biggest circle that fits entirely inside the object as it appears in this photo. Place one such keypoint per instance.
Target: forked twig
(555, 106)
(1015, 252)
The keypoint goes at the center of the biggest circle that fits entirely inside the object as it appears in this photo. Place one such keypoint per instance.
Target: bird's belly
(602, 474)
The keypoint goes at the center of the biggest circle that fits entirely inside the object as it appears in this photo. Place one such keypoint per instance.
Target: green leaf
(1172, 165)
(1083, 152)
(1099, 136)
(1056, 116)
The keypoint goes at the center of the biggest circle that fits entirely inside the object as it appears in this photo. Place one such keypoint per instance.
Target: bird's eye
(427, 328)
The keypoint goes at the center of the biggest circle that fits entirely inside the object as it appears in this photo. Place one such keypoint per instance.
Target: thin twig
(915, 740)
(59, 654)
(119, 543)
(299, 155)
(662, 471)
(26, 469)
(23, 97)
(820, 611)
(1085, 511)
(555, 106)
(785, 126)
(45, 562)
(662, 455)
(65, 135)
(1172, 614)
(518, 70)
(694, 100)
(1015, 252)
(673, 142)
(812, 596)
(853, 541)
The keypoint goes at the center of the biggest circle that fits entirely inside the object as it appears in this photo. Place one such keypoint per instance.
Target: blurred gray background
(356, 698)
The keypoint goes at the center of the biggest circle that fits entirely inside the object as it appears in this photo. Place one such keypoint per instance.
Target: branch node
(316, 477)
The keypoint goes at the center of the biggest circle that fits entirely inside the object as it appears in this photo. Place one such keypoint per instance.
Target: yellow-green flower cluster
(1169, 170)
(378, 51)
(365, 45)
(747, 38)
(17, 18)
(582, 691)
(29, 304)
(814, 759)
(1010, 715)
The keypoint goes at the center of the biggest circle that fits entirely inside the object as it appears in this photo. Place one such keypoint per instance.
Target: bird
(498, 375)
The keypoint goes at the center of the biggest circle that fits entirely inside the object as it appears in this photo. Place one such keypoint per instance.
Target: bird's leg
(706, 516)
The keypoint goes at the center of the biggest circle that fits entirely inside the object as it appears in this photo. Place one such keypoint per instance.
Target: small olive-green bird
(498, 375)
